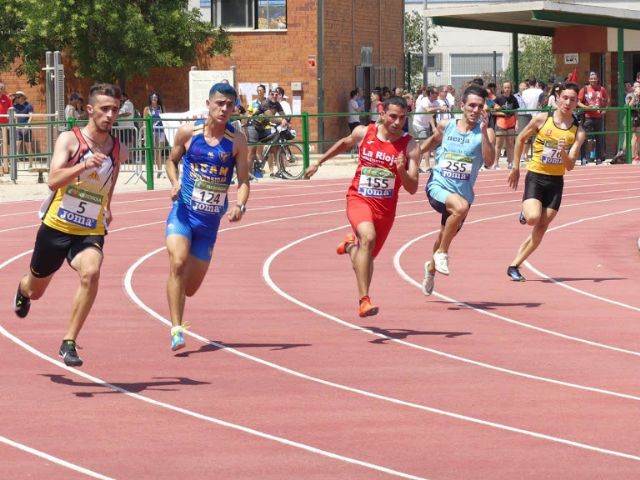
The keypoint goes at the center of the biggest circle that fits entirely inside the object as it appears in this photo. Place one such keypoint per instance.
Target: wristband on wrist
(242, 207)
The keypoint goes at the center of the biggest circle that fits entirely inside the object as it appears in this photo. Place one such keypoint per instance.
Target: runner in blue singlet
(463, 146)
(209, 151)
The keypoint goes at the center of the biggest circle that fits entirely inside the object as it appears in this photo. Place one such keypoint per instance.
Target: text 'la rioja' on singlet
(376, 178)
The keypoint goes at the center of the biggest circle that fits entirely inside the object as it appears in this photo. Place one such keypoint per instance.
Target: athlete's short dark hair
(224, 89)
(474, 89)
(395, 100)
(568, 86)
(107, 89)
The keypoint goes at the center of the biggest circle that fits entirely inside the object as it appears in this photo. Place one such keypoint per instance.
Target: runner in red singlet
(387, 159)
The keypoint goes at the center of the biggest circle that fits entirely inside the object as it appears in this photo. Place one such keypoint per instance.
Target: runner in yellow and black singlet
(555, 150)
(75, 216)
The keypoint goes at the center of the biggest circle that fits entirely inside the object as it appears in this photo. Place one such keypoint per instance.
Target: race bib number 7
(457, 166)
(208, 197)
(80, 207)
(551, 153)
(376, 182)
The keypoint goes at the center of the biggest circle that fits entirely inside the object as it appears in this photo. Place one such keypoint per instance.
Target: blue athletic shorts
(202, 236)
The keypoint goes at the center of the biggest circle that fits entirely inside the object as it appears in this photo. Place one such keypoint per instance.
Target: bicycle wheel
(291, 161)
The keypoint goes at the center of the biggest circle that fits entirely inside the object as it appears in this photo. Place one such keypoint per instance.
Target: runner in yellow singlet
(555, 150)
(75, 216)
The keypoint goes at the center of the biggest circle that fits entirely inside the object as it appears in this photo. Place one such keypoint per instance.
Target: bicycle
(288, 156)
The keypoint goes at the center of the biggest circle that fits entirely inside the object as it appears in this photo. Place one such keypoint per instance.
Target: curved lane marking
(52, 459)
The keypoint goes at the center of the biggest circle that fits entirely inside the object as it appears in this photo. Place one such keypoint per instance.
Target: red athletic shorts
(359, 210)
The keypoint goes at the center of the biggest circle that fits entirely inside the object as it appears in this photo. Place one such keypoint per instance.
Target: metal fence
(27, 148)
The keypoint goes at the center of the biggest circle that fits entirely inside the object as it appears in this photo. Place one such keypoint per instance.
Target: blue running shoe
(177, 338)
(514, 274)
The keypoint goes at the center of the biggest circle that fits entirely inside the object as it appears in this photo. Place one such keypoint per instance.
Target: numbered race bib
(376, 183)
(551, 153)
(208, 197)
(80, 207)
(457, 166)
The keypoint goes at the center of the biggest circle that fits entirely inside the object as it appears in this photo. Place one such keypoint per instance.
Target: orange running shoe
(367, 309)
(342, 248)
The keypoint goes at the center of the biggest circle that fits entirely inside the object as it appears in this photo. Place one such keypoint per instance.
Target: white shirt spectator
(354, 108)
(127, 111)
(531, 99)
(421, 120)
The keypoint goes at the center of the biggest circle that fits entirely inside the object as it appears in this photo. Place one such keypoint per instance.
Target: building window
(466, 67)
(253, 14)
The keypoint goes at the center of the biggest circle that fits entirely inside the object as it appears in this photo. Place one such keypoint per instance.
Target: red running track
(486, 379)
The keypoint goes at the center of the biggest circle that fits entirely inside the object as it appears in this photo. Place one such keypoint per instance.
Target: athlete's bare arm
(435, 139)
(530, 130)
(240, 152)
(122, 157)
(180, 145)
(488, 141)
(341, 146)
(569, 160)
(60, 173)
(408, 167)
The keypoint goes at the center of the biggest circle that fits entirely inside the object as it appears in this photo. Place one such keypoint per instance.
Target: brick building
(326, 47)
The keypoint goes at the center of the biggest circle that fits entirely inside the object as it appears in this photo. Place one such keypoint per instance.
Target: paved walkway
(28, 188)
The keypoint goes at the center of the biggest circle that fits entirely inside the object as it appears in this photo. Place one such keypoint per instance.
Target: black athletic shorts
(442, 209)
(53, 246)
(546, 188)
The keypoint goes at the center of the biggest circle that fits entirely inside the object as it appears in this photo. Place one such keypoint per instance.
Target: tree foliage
(105, 39)
(413, 40)
(536, 59)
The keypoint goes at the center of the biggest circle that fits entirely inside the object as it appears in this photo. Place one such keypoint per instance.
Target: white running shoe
(429, 279)
(441, 261)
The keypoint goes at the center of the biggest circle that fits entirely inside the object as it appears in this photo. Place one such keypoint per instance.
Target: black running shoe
(514, 274)
(69, 354)
(521, 219)
(22, 304)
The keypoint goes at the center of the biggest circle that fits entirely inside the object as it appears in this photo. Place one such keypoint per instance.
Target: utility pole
(425, 44)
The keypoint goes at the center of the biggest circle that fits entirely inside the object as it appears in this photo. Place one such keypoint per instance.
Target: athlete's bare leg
(362, 256)
(534, 239)
(458, 208)
(87, 263)
(186, 274)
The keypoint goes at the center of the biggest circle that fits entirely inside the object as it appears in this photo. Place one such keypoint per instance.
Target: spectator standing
(71, 107)
(444, 113)
(154, 108)
(127, 111)
(423, 120)
(81, 112)
(5, 105)
(376, 105)
(354, 110)
(633, 101)
(284, 103)
(261, 98)
(506, 120)
(23, 116)
(593, 97)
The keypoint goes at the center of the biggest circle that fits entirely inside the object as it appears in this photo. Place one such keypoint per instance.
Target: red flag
(574, 76)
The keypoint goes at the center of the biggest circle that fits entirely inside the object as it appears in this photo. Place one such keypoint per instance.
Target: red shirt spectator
(5, 104)
(594, 96)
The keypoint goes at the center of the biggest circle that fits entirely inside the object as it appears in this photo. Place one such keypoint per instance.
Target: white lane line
(362, 392)
(267, 276)
(213, 420)
(577, 290)
(406, 277)
(51, 458)
(130, 291)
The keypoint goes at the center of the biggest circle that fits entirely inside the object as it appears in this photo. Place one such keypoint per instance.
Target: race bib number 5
(551, 153)
(456, 166)
(376, 183)
(80, 207)
(208, 197)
